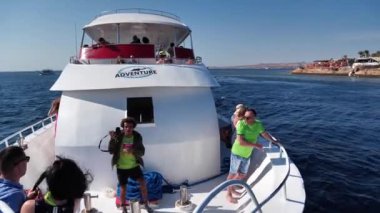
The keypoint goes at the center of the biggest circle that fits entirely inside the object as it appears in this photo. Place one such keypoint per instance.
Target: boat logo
(135, 72)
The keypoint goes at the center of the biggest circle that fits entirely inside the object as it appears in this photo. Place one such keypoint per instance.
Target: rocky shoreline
(364, 72)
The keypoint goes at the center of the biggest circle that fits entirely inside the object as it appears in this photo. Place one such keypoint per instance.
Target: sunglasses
(26, 158)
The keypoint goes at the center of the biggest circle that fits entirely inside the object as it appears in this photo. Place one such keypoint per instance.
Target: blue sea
(330, 125)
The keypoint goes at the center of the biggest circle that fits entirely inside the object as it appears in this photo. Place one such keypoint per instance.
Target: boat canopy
(120, 27)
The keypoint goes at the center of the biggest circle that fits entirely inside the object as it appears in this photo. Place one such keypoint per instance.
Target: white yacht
(170, 97)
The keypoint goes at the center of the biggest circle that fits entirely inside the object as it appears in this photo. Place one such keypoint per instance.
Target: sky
(43, 34)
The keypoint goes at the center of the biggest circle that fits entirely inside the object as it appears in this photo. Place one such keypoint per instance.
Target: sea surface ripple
(329, 125)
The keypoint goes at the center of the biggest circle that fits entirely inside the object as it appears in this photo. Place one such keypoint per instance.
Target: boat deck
(270, 168)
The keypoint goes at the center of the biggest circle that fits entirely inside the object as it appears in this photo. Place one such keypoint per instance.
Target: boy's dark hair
(252, 110)
(145, 40)
(66, 180)
(128, 120)
(9, 157)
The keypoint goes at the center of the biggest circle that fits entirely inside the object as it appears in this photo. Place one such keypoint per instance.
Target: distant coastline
(365, 72)
(262, 66)
(300, 68)
(363, 66)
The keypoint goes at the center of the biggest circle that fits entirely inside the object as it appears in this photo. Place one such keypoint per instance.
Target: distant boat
(46, 72)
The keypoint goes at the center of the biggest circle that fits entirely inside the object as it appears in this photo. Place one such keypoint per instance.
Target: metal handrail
(33, 128)
(108, 61)
(140, 10)
(221, 187)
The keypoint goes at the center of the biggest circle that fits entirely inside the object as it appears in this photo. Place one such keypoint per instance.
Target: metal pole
(76, 40)
(118, 33)
(191, 41)
(183, 195)
(81, 45)
(135, 206)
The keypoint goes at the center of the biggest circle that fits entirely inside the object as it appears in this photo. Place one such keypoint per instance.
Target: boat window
(141, 109)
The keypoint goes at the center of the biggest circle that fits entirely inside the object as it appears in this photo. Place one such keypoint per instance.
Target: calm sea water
(329, 125)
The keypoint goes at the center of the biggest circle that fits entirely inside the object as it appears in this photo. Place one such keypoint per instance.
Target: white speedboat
(46, 72)
(171, 98)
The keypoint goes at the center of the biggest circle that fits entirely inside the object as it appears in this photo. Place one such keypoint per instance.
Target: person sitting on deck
(102, 42)
(120, 60)
(145, 40)
(171, 50)
(54, 107)
(66, 186)
(135, 40)
(131, 60)
(189, 61)
(162, 57)
(13, 165)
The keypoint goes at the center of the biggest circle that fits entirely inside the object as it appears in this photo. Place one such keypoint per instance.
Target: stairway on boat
(273, 182)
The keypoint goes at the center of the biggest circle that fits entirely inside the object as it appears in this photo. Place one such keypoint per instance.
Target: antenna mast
(76, 42)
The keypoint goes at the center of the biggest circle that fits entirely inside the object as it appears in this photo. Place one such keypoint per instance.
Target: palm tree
(366, 53)
(361, 54)
(376, 54)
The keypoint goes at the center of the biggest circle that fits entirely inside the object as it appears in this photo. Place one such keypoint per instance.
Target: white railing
(222, 186)
(16, 138)
(108, 61)
(225, 184)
